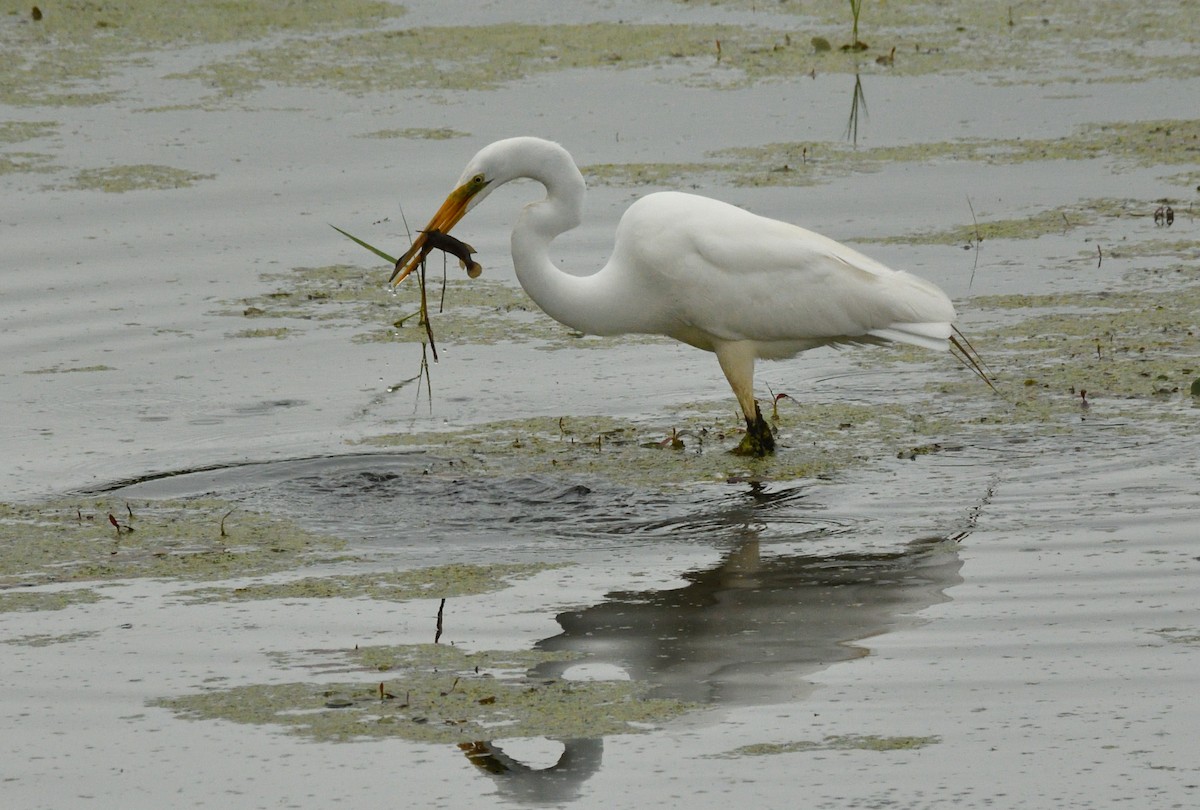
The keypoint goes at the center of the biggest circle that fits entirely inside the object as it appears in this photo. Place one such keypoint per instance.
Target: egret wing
(739, 276)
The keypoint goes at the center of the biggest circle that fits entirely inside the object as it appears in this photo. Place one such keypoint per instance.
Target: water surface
(932, 597)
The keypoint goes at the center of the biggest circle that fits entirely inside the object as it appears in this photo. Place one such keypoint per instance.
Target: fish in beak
(435, 235)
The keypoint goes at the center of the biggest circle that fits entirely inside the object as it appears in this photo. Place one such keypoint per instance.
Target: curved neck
(593, 304)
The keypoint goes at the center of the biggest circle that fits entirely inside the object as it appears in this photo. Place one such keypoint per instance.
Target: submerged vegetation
(142, 177)
(437, 693)
(88, 540)
(462, 311)
(1118, 353)
(705, 55)
(838, 742)
(1127, 145)
(671, 450)
(69, 53)
(440, 582)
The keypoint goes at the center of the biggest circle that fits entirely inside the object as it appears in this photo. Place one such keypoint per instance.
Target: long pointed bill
(452, 210)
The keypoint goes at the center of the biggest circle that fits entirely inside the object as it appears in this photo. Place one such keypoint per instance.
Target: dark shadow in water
(381, 499)
(746, 630)
(743, 632)
(523, 784)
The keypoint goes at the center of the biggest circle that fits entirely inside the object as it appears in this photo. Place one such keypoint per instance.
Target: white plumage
(701, 271)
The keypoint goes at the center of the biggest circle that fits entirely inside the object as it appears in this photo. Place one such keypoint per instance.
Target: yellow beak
(452, 210)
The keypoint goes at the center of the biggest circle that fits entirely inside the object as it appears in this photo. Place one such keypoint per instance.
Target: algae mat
(437, 694)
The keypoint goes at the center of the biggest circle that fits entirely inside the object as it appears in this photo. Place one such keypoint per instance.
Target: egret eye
(478, 180)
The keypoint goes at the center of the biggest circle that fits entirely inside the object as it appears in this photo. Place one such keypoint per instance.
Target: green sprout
(856, 44)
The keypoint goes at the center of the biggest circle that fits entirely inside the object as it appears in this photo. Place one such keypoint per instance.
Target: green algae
(18, 131)
(1129, 349)
(437, 582)
(1188, 180)
(14, 601)
(836, 742)
(74, 540)
(70, 369)
(685, 446)
(65, 57)
(140, 177)
(145, 24)
(1072, 40)
(319, 293)
(438, 694)
(68, 56)
(1058, 220)
(975, 39)
(1138, 143)
(278, 333)
(44, 640)
(1165, 142)
(14, 162)
(467, 312)
(1186, 636)
(1126, 356)
(417, 133)
(653, 174)
(1163, 247)
(435, 58)
(26, 163)
(453, 57)
(339, 294)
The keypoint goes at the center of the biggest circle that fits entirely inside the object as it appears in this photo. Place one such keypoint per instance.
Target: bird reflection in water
(748, 629)
(745, 631)
(525, 784)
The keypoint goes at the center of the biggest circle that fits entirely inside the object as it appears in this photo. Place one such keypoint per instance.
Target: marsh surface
(248, 555)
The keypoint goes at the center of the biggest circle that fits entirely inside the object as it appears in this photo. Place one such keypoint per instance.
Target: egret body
(700, 271)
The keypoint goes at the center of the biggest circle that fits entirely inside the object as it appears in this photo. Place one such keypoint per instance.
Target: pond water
(252, 555)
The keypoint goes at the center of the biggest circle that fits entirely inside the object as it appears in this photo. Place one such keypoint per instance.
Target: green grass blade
(390, 260)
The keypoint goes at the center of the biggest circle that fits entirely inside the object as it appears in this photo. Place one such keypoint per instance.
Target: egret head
(472, 188)
(492, 167)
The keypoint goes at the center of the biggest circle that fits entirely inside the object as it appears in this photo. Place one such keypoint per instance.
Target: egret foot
(759, 441)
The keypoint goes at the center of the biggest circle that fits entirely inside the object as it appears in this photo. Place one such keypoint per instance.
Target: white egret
(700, 271)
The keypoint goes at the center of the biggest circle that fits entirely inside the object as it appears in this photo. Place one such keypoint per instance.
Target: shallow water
(932, 597)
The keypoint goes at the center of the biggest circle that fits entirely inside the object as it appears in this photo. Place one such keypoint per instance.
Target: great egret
(703, 272)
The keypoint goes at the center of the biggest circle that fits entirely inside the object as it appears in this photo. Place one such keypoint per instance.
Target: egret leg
(759, 441)
(737, 361)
